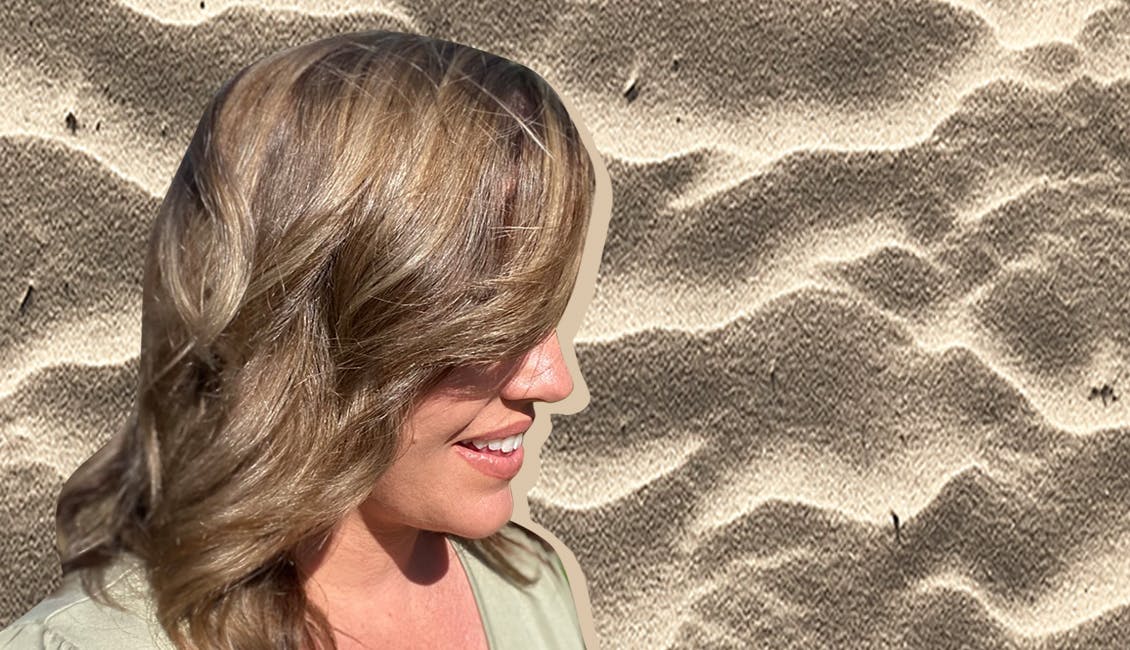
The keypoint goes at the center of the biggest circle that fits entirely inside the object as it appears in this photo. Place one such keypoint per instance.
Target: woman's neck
(392, 588)
(362, 564)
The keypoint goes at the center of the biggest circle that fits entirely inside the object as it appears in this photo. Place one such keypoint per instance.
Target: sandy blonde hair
(353, 218)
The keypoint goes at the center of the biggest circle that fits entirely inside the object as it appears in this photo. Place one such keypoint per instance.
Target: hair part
(353, 218)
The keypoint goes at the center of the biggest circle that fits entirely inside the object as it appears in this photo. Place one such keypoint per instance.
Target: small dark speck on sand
(25, 304)
(72, 122)
(1105, 393)
(898, 528)
(632, 90)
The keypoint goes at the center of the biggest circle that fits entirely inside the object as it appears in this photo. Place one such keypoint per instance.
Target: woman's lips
(496, 464)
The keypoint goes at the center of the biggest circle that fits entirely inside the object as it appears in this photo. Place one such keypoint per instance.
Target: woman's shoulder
(70, 618)
(541, 614)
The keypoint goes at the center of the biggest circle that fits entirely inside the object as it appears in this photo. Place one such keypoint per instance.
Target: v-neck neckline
(463, 556)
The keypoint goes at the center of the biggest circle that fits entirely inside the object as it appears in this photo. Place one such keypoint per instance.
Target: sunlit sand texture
(858, 345)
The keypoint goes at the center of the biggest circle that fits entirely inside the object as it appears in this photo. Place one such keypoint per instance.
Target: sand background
(867, 262)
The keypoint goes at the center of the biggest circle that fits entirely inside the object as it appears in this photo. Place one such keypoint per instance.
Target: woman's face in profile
(442, 480)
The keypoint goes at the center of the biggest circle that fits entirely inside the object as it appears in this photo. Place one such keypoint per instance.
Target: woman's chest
(445, 617)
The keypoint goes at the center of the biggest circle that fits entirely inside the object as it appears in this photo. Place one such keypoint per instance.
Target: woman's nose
(543, 376)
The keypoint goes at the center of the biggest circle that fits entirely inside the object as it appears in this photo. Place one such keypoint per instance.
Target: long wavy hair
(353, 219)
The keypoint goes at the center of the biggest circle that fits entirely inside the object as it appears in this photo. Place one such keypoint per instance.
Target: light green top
(540, 616)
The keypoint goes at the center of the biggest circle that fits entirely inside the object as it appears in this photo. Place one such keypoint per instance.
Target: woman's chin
(490, 516)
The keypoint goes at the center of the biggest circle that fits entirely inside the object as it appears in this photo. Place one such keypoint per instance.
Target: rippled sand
(865, 279)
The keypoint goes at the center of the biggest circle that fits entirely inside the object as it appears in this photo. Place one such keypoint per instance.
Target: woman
(349, 311)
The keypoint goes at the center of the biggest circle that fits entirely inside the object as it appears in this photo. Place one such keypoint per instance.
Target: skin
(389, 556)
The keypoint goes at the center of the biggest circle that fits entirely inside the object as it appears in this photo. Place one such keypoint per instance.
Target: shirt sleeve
(33, 635)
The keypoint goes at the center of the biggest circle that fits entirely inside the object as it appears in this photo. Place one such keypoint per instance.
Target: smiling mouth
(496, 463)
(498, 446)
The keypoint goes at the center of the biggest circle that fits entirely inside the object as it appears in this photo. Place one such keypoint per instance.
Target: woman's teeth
(505, 445)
